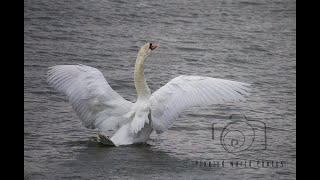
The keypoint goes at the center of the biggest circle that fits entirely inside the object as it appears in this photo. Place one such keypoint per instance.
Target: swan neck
(141, 85)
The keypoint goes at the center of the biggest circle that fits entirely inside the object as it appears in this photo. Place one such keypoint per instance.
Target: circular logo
(237, 136)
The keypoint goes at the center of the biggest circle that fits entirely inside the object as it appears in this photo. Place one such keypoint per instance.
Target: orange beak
(153, 46)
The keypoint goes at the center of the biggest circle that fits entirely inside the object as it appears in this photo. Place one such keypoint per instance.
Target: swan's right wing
(184, 92)
(90, 95)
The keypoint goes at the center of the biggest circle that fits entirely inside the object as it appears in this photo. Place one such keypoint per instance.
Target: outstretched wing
(184, 92)
(90, 95)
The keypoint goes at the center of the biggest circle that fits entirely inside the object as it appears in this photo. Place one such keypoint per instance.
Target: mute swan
(99, 106)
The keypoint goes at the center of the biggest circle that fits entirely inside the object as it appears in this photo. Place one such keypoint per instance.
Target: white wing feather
(90, 95)
(184, 92)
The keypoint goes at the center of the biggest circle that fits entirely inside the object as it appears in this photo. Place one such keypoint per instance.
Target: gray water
(247, 40)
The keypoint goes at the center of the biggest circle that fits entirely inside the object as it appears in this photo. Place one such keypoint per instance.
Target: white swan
(99, 106)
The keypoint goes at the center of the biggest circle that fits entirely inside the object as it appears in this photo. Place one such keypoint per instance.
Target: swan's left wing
(90, 95)
(184, 92)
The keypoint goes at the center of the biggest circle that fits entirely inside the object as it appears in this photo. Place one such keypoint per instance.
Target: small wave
(191, 49)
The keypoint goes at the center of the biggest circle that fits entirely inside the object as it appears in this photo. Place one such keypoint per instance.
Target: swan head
(146, 49)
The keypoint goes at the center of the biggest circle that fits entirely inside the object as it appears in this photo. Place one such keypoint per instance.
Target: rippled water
(246, 40)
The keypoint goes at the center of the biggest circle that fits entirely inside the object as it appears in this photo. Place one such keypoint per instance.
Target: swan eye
(150, 46)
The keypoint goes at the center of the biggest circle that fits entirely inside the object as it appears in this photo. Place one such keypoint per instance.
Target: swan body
(100, 107)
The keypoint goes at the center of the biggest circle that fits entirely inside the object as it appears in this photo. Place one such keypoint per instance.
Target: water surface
(249, 41)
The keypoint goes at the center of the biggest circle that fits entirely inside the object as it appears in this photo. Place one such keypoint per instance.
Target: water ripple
(248, 41)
